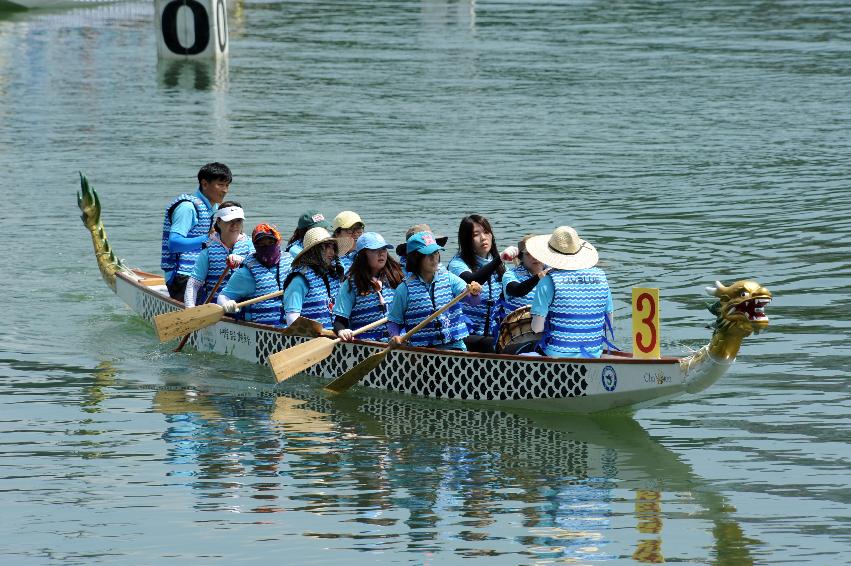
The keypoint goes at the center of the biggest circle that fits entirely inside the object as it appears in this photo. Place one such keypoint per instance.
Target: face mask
(268, 255)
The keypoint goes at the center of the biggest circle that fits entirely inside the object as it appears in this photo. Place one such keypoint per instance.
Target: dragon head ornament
(739, 311)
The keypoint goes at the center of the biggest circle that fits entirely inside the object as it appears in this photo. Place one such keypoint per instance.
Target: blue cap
(371, 241)
(423, 242)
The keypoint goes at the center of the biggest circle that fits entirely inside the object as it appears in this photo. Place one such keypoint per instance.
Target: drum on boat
(515, 333)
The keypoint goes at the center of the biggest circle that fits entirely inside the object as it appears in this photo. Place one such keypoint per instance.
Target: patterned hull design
(542, 384)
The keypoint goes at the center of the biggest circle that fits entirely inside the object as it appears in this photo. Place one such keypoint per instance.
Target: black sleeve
(517, 289)
(483, 274)
(340, 323)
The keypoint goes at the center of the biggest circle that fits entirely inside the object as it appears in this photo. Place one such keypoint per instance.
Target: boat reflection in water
(422, 476)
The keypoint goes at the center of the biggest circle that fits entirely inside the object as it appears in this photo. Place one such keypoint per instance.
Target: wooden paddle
(357, 373)
(294, 359)
(170, 325)
(209, 298)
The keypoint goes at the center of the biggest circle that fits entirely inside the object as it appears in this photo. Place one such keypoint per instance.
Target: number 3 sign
(645, 323)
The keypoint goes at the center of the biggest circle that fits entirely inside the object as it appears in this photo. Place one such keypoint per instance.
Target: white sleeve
(291, 316)
(191, 293)
(222, 299)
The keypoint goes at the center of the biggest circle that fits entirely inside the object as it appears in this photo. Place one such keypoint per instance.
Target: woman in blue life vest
(308, 220)
(573, 303)
(368, 289)
(478, 260)
(313, 284)
(225, 249)
(187, 225)
(426, 289)
(401, 248)
(348, 224)
(261, 273)
(519, 282)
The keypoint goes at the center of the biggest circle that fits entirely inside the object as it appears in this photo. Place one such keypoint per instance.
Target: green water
(689, 141)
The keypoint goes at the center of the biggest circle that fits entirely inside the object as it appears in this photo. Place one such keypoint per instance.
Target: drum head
(515, 333)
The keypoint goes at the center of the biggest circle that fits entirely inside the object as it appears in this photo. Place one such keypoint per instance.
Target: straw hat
(563, 249)
(320, 235)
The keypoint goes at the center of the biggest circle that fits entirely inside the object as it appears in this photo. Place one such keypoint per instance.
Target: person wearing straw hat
(225, 249)
(426, 289)
(308, 220)
(187, 224)
(401, 249)
(478, 260)
(368, 289)
(519, 282)
(350, 225)
(573, 303)
(263, 272)
(313, 285)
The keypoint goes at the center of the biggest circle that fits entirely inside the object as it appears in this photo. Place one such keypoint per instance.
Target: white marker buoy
(191, 29)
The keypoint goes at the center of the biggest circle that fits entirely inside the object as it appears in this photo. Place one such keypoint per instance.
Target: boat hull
(537, 383)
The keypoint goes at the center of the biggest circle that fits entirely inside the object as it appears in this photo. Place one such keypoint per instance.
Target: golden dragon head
(739, 311)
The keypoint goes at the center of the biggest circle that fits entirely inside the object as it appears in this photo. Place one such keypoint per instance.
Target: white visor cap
(230, 213)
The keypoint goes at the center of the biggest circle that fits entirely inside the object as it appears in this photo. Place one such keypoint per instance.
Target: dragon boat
(616, 382)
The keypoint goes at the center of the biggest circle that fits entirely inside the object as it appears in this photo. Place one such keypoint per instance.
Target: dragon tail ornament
(89, 203)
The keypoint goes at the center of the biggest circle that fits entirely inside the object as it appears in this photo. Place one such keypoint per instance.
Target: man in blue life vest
(572, 304)
(187, 224)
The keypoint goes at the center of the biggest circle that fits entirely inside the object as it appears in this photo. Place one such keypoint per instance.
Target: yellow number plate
(645, 323)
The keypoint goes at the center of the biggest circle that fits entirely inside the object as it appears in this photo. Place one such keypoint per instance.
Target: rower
(368, 289)
(400, 249)
(263, 272)
(312, 287)
(519, 282)
(186, 226)
(308, 220)
(573, 303)
(427, 288)
(478, 260)
(350, 225)
(226, 249)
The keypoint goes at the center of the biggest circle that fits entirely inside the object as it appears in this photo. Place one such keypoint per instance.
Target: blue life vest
(489, 311)
(346, 262)
(576, 321)
(266, 280)
(517, 274)
(184, 262)
(367, 309)
(449, 327)
(319, 302)
(217, 256)
(295, 248)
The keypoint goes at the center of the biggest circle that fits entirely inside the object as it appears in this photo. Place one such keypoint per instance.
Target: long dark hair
(359, 274)
(225, 204)
(465, 241)
(413, 262)
(314, 259)
(298, 234)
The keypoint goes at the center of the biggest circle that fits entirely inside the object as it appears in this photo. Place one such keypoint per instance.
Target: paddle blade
(357, 373)
(291, 361)
(170, 325)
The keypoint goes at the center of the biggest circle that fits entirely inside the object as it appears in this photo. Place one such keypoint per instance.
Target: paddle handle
(209, 298)
(260, 299)
(370, 326)
(434, 315)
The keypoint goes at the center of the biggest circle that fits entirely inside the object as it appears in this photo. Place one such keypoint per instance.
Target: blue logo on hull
(609, 378)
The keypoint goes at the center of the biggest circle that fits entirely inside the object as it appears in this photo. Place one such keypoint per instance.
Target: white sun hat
(563, 249)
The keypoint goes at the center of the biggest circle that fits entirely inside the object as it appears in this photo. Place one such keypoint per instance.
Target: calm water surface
(690, 141)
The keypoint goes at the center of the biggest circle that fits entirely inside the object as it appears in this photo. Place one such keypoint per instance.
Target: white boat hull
(543, 384)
